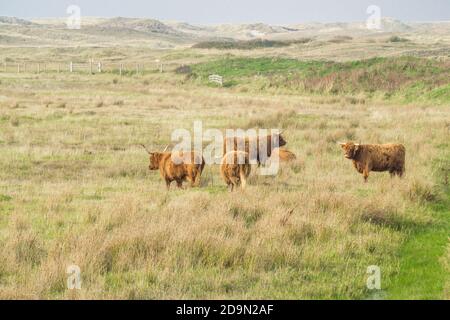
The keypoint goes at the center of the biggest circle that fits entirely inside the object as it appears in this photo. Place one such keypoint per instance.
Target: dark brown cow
(252, 146)
(235, 168)
(178, 167)
(376, 157)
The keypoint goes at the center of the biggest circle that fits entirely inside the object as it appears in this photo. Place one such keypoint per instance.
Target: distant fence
(216, 79)
(91, 67)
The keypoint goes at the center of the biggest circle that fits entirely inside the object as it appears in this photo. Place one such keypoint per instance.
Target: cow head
(155, 158)
(350, 149)
(281, 141)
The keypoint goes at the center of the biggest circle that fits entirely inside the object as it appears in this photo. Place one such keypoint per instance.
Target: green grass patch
(400, 78)
(4, 197)
(422, 273)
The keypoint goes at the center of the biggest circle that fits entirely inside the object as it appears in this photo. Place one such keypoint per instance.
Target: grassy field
(399, 79)
(75, 189)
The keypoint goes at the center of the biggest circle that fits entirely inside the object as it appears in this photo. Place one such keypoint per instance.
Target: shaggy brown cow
(235, 168)
(376, 157)
(176, 168)
(237, 143)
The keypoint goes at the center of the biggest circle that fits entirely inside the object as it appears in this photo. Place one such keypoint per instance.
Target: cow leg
(366, 174)
(168, 184)
(243, 183)
(234, 182)
(242, 178)
(180, 184)
(191, 181)
(366, 171)
(196, 180)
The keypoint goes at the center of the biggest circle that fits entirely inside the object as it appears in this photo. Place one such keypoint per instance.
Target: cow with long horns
(177, 166)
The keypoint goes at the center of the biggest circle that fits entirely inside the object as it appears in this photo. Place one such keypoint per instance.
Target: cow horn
(341, 143)
(145, 148)
(165, 149)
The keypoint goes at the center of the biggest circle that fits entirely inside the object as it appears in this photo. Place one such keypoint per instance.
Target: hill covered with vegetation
(405, 78)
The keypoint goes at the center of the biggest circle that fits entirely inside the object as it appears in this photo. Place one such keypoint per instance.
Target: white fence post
(99, 67)
(71, 66)
(120, 68)
(18, 68)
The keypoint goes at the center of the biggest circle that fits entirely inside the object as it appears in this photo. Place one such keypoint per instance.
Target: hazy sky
(231, 11)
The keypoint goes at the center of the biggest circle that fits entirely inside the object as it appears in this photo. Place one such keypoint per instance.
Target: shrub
(340, 39)
(422, 192)
(14, 121)
(248, 44)
(248, 214)
(27, 248)
(184, 69)
(397, 39)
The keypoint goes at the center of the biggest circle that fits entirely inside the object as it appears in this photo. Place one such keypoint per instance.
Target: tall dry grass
(74, 189)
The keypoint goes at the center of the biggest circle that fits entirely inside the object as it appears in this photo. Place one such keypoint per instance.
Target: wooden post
(90, 66)
(18, 68)
(71, 66)
(38, 67)
(137, 68)
(161, 68)
(59, 67)
(120, 68)
(99, 67)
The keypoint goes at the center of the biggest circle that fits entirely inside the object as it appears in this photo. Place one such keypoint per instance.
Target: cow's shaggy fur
(283, 155)
(235, 168)
(178, 166)
(376, 157)
(254, 146)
